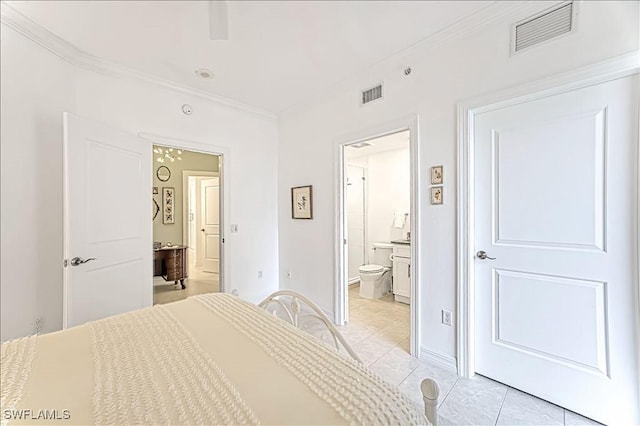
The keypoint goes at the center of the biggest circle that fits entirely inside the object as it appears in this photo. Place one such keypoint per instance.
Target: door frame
(223, 173)
(601, 72)
(185, 199)
(410, 123)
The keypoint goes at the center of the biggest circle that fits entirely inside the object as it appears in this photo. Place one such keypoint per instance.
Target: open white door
(107, 222)
(191, 221)
(555, 235)
(210, 217)
(355, 212)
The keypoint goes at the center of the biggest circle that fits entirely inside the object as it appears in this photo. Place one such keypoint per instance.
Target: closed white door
(556, 206)
(107, 226)
(210, 217)
(355, 222)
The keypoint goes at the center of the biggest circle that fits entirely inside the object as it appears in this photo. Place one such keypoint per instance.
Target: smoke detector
(205, 73)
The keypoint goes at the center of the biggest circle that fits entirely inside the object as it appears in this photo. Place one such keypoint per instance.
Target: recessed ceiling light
(360, 145)
(204, 73)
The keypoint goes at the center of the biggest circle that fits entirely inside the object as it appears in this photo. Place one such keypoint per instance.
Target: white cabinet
(402, 273)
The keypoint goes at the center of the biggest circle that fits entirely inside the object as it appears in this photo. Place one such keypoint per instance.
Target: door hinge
(223, 241)
(65, 263)
(344, 241)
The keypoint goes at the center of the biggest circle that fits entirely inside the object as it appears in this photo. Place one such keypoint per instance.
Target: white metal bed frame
(298, 310)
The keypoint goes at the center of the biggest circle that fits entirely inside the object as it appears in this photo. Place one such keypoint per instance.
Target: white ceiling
(278, 53)
(386, 143)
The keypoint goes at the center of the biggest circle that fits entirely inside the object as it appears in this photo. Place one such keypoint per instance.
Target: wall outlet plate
(446, 317)
(37, 325)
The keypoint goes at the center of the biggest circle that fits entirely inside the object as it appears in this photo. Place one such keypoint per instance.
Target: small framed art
(155, 208)
(302, 202)
(168, 205)
(436, 175)
(436, 195)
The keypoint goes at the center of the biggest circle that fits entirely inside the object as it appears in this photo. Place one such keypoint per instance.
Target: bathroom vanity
(401, 257)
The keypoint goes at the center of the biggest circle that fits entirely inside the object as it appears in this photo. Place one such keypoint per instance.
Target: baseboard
(444, 361)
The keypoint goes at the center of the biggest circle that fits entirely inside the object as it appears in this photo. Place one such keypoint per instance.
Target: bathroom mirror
(163, 173)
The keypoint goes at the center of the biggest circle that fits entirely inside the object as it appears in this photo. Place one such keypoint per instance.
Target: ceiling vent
(544, 26)
(371, 95)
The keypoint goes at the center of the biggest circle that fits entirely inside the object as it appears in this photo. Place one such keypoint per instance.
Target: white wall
(191, 161)
(388, 184)
(36, 88)
(459, 67)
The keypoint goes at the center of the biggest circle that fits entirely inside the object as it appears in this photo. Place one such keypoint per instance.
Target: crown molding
(464, 27)
(82, 59)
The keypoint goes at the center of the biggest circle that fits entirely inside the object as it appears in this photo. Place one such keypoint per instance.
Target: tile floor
(379, 333)
(197, 283)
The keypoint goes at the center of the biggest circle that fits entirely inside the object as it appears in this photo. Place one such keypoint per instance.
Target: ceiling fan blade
(218, 20)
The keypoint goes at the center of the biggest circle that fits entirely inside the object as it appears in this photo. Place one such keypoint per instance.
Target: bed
(209, 359)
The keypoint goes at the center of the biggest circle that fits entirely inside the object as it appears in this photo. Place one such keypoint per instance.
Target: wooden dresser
(171, 263)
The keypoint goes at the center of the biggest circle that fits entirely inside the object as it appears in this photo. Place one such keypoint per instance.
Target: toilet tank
(381, 253)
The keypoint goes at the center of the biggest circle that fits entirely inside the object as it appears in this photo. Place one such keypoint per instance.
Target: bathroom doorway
(376, 287)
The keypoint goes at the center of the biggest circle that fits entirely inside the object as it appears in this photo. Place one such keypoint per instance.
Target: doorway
(201, 209)
(377, 233)
(186, 227)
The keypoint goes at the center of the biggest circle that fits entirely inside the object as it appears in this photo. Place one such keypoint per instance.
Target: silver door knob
(79, 261)
(483, 255)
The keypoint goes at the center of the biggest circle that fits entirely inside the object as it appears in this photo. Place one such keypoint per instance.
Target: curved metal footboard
(430, 393)
(305, 315)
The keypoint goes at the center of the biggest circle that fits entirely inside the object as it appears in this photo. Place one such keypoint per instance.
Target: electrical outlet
(259, 274)
(289, 275)
(37, 325)
(446, 317)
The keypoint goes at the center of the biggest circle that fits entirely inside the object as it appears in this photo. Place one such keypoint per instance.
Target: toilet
(375, 278)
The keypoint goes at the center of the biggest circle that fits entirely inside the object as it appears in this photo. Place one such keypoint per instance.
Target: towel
(399, 219)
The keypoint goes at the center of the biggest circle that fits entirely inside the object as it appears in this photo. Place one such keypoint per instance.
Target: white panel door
(210, 217)
(355, 221)
(556, 195)
(107, 175)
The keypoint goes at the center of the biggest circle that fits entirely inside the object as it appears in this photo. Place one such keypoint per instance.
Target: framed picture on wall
(436, 195)
(168, 205)
(155, 209)
(436, 175)
(301, 202)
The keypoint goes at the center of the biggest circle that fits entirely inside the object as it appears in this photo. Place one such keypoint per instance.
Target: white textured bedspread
(210, 359)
